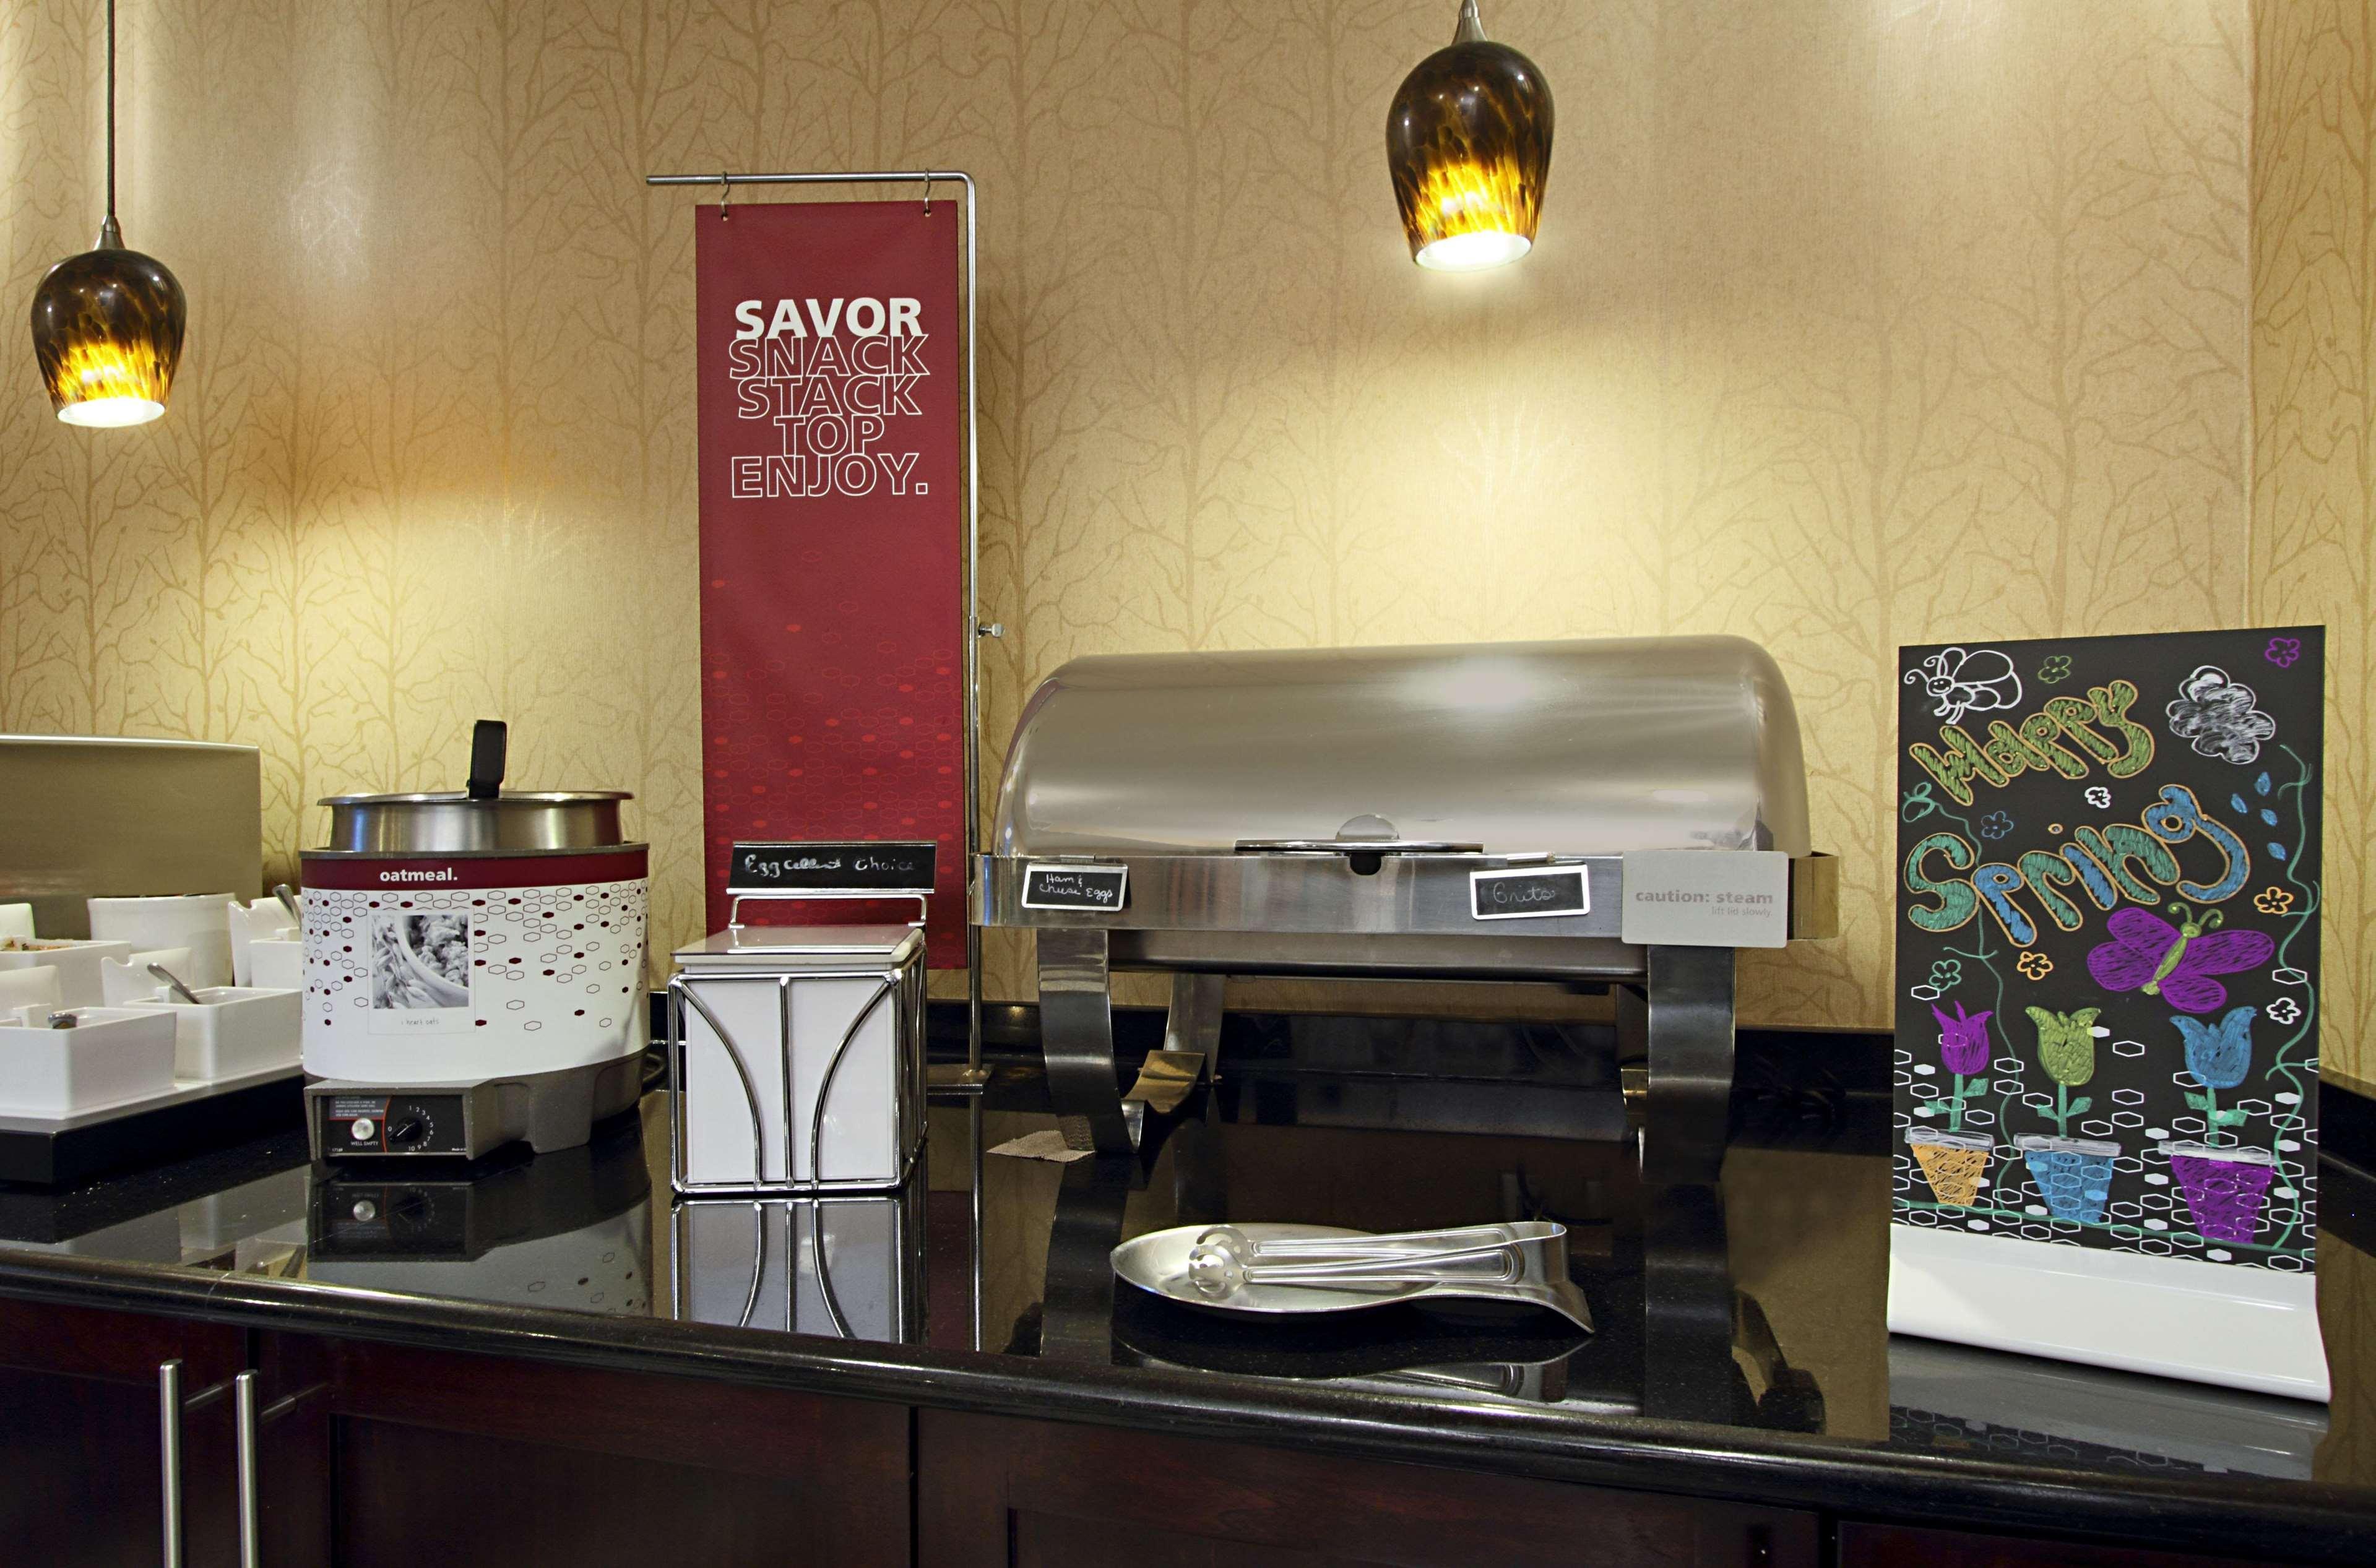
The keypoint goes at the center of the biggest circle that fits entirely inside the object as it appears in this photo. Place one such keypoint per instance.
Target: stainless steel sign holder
(975, 627)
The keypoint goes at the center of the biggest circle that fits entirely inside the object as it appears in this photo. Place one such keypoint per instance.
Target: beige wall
(2314, 433)
(1854, 323)
(2313, 502)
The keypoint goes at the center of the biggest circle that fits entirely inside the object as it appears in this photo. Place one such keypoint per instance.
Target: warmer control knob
(408, 1127)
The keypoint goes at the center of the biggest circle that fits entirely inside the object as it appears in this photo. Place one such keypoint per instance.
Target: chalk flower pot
(2224, 1188)
(2074, 1175)
(233, 1031)
(112, 1056)
(1952, 1162)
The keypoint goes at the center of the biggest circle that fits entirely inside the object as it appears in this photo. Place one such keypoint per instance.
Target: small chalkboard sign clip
(822, 873)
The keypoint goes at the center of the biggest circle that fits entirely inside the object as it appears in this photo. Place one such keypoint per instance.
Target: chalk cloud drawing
(2218, 716)
(1957, 682)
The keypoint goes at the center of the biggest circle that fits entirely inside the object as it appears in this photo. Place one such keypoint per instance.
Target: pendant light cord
(111, 113)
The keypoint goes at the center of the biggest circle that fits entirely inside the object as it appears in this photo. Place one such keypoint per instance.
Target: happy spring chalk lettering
(2102, 863)
(2037, 742)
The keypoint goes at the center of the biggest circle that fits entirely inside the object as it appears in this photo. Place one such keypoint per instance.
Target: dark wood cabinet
(368, 1454)
(461, 1459)
(1896, 1545)
(998, 1493)
(83, 1434)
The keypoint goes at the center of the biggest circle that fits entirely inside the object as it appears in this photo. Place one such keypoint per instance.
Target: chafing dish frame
(1352, 912)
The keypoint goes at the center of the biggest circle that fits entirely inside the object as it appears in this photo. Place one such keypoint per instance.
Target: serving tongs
(1225, 1259)
(1276, 1269)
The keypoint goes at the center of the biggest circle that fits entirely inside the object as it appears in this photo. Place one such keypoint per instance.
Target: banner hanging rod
(975, 627)
(868, 177)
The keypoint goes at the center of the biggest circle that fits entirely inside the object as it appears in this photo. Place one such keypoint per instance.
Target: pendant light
(107, 324)
(1469, 141)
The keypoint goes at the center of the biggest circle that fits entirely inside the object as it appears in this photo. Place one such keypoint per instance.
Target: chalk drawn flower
(2273, 901)
(2098, 797)
(2218, 715)
(1946, 974)
(1996, 825)
(2055, 669)
(2284, 1010)
(2283, 651)
(2033, 965)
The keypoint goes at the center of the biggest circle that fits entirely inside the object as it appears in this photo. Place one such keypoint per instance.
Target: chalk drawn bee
(2175, 962)
(1958, 683)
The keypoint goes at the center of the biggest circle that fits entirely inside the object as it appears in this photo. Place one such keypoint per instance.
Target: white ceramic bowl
(199, 922)
(233, 1031)
(112, 1057)
(277, 965)
(127, 981)
(36, 986)
(79, 964)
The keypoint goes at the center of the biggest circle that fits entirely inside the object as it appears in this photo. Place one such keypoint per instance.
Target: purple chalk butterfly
(2175, 962)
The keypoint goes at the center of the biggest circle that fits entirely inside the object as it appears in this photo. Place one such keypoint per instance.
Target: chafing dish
(1323, 813)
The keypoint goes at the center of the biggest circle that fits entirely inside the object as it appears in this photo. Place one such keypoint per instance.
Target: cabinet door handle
(169, 1435)
(243, 1404)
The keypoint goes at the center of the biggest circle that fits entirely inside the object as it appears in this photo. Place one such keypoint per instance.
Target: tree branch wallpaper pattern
(2314, 498)
(1852, 324)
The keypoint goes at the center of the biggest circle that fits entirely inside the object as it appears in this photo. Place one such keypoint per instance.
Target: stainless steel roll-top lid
(451, 822)
(1585, 747)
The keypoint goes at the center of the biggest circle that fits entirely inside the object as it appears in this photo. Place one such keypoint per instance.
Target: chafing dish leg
(1076, 1038)
(1195, 1021)
(1682, 1014)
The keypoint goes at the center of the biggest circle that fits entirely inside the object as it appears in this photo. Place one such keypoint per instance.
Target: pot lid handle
(487, 746)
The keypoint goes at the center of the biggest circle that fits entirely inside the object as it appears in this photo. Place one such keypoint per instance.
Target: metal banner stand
(963, 1083)
(968, 1082)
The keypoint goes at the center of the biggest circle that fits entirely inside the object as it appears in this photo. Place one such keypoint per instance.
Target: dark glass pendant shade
(1469, 141)
(107, 330)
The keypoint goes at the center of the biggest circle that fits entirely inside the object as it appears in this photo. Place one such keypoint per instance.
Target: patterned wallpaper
(2314, 433)
(1853, 323)
(2313, 497)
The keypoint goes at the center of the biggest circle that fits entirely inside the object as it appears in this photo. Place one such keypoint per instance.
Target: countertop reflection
(1754, 1306)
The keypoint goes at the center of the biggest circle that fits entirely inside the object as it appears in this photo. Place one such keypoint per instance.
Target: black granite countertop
(1740, 1349)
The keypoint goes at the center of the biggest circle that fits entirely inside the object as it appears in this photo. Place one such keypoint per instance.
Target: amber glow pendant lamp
(107, 324)
(1468, 142)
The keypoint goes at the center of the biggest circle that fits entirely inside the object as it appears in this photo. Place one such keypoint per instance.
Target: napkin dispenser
(796, 1059)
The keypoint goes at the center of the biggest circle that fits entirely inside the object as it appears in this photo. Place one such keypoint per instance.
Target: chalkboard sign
(2107, 934)
(857, 868)
(1530, 894)
(1075, 887)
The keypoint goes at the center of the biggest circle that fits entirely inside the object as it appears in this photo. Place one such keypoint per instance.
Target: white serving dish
(78, 963)
(267, 919)
(277, 965)
(233, 1031)
(126, 982)
(34, 987)
(199, 922)
(16, 920)
(112, 1057)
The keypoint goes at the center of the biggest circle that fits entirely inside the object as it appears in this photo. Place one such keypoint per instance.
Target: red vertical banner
(832, 535)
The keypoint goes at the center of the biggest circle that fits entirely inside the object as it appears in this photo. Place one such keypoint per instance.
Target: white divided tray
(112, 1056)
(234, 1031)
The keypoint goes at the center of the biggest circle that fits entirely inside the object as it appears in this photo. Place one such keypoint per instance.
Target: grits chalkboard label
(1103, 889)
(895, 867)
(1529, 894)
